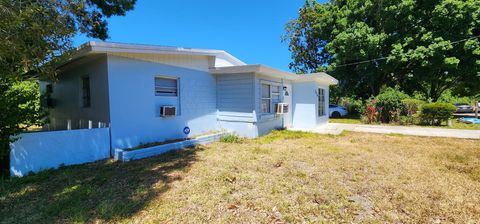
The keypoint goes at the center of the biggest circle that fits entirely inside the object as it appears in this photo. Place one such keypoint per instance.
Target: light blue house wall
(236, 103)
(123, 94)
(67, 94)
(38, 151)
(135, 110)
(267, 122)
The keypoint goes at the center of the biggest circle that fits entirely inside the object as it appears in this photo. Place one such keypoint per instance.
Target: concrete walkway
(334, 128)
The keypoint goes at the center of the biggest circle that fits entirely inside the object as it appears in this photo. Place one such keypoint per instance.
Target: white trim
(321, 77)
(106, 47)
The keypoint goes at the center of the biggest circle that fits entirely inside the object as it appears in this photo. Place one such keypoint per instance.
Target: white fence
(38, 151)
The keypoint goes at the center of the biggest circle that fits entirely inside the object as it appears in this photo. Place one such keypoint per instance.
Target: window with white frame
(270, 97)
(321, 102)
(166, 86)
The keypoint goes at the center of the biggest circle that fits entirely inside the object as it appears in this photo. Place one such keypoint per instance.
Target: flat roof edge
(105, 47)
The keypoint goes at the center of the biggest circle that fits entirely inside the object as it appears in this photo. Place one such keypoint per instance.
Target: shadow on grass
(106, 191)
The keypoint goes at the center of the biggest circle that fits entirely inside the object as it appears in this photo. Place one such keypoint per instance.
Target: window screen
(266, 98)
(270, 97)
(321, 102)
(166, 86)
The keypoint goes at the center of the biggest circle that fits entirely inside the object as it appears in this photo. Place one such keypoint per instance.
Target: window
(48, 96)
(166, 86)
(86, 101)
(321, 102)
(270, 97)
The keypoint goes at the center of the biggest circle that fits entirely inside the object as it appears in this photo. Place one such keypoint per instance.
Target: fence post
(90, 124)
(69, 124)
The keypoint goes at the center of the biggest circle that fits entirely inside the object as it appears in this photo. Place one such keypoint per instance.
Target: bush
(370, 115)
(448, 97)
(231, 138)
(435, 113)
(353, 105)
(412, 106)
(408, 120)
(389, 104)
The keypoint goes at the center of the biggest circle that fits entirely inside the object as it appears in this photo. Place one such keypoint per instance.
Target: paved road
(334, 128)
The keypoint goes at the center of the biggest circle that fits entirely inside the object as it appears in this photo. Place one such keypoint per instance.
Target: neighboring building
(128, 86)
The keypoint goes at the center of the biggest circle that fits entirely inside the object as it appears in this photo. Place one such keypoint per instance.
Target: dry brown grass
(283, 177)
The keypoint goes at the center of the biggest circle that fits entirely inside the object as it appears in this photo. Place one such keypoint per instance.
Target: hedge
(435, 113)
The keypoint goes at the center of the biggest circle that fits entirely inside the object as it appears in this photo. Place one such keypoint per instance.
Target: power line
(383, 58)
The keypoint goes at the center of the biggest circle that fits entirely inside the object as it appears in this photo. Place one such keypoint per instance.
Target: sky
(251, 30)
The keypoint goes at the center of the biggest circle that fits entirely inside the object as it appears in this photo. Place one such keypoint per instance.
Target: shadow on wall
(102, 191)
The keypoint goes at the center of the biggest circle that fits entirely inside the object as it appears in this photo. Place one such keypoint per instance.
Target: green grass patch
(345, 120)
(231, 138)
(278, 135)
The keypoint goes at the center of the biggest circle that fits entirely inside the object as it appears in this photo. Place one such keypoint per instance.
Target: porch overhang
(320, 77)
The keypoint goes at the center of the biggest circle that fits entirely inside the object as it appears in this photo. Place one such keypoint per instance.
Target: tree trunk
(4, 159)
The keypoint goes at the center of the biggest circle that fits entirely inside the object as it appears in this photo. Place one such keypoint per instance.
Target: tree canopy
(35, 35)
(427, 46)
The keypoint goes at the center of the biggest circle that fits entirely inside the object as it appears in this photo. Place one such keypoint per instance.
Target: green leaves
(35, 36)
(20, 106)
(429, 46)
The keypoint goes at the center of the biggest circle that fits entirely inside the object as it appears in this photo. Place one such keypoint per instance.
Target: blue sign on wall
(186, 130)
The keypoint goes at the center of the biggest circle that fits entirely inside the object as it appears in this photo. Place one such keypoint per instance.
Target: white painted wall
(135, 110)
(38, 151)
(305, 105)
(67, 94)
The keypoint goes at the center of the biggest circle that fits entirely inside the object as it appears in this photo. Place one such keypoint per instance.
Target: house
(147, 93)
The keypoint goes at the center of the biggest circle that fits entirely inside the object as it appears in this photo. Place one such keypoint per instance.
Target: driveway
(334, 128)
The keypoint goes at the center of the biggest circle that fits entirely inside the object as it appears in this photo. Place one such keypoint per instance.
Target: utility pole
(476, 109)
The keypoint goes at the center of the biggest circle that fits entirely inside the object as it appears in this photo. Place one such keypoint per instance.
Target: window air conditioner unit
(168, 111)
(281, 108)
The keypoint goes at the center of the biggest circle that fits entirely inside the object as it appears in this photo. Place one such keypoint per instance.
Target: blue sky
(250, 30)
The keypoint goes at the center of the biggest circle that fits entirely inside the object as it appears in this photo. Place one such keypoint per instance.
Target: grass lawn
(283, 177)
(455, 123)
(345, 120)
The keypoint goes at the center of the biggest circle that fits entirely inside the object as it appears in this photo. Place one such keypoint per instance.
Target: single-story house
(147, 93)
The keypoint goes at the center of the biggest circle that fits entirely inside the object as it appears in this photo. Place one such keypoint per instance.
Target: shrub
(353, 105)
(435, 113)
(389, 104)
(371, 112)
(231, 138)
(408, 120)
(411, 106)
(448, 97)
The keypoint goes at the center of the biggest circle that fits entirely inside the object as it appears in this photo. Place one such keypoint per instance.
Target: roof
(225, 63)
(223, 58)
(320, 77)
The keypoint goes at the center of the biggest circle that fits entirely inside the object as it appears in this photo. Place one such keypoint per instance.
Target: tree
(36, 35)
(419, 45)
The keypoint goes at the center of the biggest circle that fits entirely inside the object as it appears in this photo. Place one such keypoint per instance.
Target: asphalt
(335, 129)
